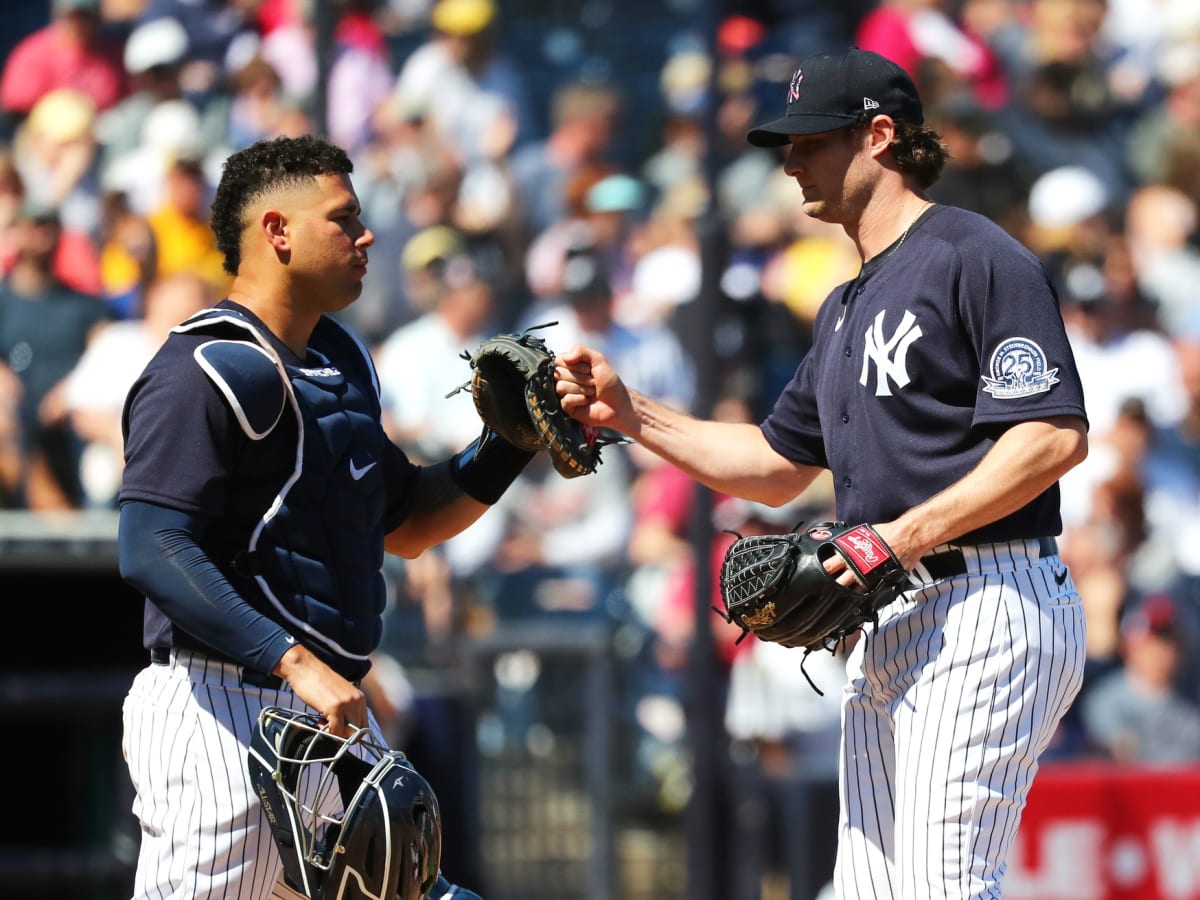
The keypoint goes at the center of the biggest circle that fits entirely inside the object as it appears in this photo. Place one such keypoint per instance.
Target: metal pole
(324, 21)
(599, 772)
(705, 710)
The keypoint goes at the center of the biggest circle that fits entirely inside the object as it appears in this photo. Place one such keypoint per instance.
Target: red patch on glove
(867, 549)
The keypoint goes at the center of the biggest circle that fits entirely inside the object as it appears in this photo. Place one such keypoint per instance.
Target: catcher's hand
(513, 385)
(776, 585)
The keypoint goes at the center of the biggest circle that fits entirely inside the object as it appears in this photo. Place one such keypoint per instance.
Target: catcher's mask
(387, 843)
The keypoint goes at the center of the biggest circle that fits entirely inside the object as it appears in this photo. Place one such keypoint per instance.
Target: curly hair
(917, 149)
(259, 169)
(920, 152)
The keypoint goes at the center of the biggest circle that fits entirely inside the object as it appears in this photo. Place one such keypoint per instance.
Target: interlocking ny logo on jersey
(889, 354)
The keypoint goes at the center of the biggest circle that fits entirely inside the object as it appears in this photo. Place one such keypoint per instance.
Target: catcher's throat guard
(382, 839)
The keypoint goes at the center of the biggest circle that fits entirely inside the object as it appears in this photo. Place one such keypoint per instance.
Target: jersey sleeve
(793, 427)
(179, 436)
(1011, 312)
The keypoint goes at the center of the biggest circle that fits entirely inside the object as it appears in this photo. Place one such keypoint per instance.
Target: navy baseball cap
(833, 90)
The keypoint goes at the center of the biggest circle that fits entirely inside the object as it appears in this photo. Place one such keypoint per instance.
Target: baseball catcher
(513, 386)
(776, 585)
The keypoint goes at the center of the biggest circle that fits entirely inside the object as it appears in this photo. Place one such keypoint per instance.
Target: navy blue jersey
(920, 363)
(186, 450)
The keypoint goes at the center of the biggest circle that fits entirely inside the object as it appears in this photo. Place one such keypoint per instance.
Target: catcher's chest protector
(317, 551)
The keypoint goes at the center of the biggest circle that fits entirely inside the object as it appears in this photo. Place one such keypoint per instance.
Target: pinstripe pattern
(948, 705)
(187, 728)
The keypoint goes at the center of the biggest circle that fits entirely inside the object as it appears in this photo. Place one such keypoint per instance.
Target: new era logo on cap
(838, 89)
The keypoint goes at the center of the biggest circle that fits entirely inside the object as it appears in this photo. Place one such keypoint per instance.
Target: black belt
(161, 656)
(949, 563)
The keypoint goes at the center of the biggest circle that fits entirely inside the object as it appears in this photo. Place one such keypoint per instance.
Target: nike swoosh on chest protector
(356, 473)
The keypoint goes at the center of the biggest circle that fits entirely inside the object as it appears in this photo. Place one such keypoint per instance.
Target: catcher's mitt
(776, 585)
(512, 383)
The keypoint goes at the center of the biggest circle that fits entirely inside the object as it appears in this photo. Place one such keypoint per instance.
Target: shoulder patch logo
(1018, 368)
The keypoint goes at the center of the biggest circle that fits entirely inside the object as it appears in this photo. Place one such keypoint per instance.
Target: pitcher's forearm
(730, 457)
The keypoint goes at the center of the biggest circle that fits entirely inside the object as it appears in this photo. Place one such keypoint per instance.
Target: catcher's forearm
(731, 457)
(487, 466)
(442, 507)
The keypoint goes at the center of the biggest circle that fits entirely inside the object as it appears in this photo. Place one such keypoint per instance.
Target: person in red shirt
(70, 52)
(937, 49)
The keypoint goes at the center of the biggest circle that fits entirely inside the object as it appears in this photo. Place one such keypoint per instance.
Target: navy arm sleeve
(160, 555)
(400, 478)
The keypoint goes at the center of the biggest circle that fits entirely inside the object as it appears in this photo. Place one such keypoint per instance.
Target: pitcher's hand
(591, 391)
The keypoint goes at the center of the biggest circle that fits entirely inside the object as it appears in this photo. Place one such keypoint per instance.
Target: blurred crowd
(600, 207)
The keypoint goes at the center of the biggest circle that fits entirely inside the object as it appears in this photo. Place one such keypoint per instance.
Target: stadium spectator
(172, 130)
(582, 121)
(585, 312)
(44, 328)
(184, 242)
(1063, 110)
(259, 107)
(1171, 472)
(214, 28)
(94, 390)
(56, 155)
(12, 198)
(473, 92)
(981, 174)
(1137, 713)
(72, 51)
(1160, 223)
(128, 256)
(415, 366)
(942, 55)
(360, 75)
(154, 56)
(1163, 146)
(603, 207)
(562, 550)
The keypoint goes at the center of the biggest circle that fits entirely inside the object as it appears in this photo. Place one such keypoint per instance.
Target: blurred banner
(1108, 833)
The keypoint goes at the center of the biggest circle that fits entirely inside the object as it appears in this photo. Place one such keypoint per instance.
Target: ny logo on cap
(794, 87)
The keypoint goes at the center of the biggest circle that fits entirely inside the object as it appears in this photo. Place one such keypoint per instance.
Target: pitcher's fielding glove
(776, 585)
(513, 386)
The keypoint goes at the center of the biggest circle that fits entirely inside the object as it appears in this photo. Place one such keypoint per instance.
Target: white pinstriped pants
(187, 728)
(948, 704)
